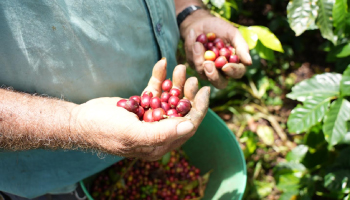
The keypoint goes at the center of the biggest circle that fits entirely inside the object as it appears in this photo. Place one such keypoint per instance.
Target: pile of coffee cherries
(217, 51)
(170, 180)
(149, 108)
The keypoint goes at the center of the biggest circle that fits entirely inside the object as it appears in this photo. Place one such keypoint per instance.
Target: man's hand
(113, 129)
(202, 21)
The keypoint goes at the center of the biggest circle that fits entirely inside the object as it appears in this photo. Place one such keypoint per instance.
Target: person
(65, 64)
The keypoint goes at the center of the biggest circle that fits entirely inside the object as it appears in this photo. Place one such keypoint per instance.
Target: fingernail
(163, 58)
(192, 34)
(249, 59)
(209, 68)
(184, 128)
(197, 47)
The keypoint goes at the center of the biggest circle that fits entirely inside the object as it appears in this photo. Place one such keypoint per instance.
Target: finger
(200, 106)
(162, 132)
(158, 76)
(234, 70)
(191, 88)
(198, 57)
(242, 49)
(214, 76)
(179, 77)
(189, 42)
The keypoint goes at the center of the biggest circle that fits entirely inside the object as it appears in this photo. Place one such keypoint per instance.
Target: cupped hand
(107, 128)
(200, 22)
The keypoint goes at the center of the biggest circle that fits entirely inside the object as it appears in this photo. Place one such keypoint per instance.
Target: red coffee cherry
(167, 85)
(148, 117)
(202, 38)
(158, 114)
(220, 62)
(233, 59)
(155, 102)
(121, 103)
(173, 101)
(175, 92)
(183, 107)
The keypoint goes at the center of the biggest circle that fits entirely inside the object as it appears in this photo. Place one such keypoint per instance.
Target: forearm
(30, 122)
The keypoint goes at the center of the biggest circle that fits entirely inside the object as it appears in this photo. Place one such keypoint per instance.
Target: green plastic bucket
(214, 147)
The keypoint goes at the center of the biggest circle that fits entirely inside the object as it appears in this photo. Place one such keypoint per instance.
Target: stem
(277, 127)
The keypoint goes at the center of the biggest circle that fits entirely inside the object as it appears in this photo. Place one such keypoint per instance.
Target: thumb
(165, 131)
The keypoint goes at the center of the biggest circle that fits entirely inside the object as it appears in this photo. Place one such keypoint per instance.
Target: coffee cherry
(140, 112)
(131, 105)
(175, 92)
(209, 55)
(220, 62)
(233, 59)
(165, 106)
(158, 114)
(136, 98)
(202, 38)
(148, 117)
(121, 103)
(174, 115)
(209, 45)
(155, 102)
(220, 45)
(216, 51)
(211, 36)
(183, 107)
(145, 101)
(171, 111)
(167, 85)
(165, 97)
(218, 40)
(173, 100)
(150, 94)
(225, 52)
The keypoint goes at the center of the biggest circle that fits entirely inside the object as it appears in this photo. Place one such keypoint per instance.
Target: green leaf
(302, 15)
(339, 51)
(338, 180)
(297, 154)
(288, 175)
(264, 52)
(324, 85)
(340, 10)
(324, 19)
(166, 158)
(334, 126)
(304, 117)
(263, 188)
(227, 10)
(249, 36)
(266, 134)
(218, 3)
(267, 38)
(345, 83)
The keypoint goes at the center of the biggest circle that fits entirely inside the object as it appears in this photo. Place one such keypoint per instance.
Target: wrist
(194, 17)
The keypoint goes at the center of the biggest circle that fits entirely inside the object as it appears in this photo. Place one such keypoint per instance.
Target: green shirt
(77, 50)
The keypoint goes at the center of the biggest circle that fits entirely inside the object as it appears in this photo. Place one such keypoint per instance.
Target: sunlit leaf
(297, 154)
(345, 83)
(218, 3)
(267, 38)
(249, 36)
(324, 85)
(324, 19)
(334, 126)
(307, 115)
(340, 10)
(302, 15)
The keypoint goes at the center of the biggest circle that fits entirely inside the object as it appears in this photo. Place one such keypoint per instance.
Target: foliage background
(290, 111)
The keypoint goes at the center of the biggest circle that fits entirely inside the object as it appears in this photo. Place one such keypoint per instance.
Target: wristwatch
(187, 11)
